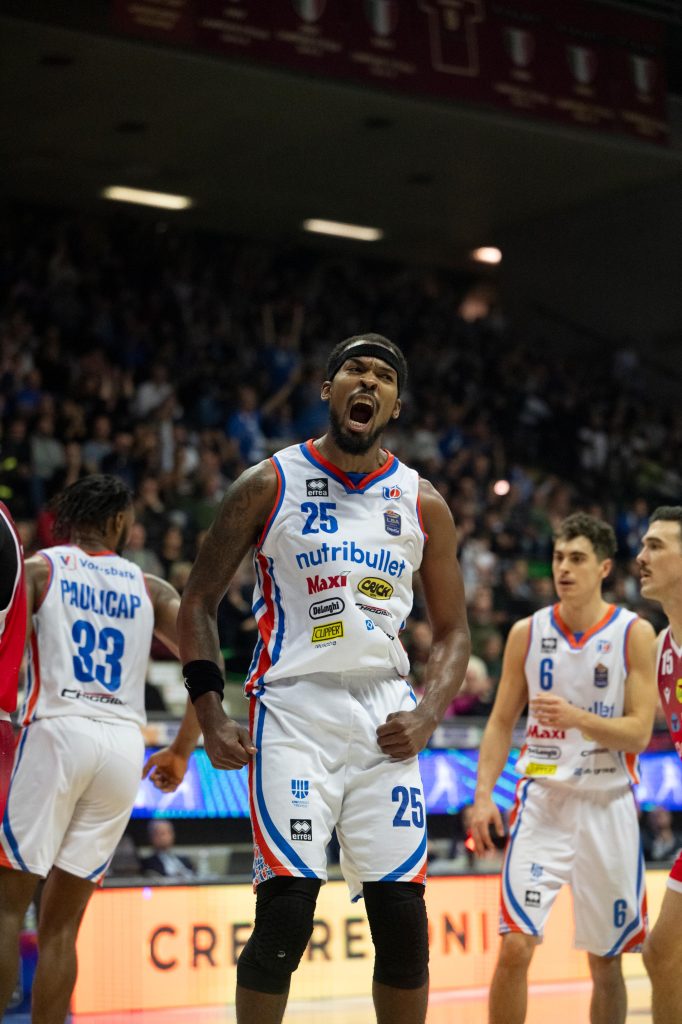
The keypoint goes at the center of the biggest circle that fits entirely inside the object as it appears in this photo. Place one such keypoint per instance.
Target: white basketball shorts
(319, 766)
(72, 790)
(590, 841)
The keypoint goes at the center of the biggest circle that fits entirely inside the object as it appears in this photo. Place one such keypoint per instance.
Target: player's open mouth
(360, 414)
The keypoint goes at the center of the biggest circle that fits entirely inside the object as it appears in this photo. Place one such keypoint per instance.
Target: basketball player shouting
(339, 527)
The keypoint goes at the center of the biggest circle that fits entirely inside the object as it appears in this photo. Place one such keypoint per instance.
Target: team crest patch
(536, 871)
(300, 788)
(604, 646)
(601, 675)
(392, 493)
(317, 488)
(392, 523)
(301, 830)
(548, 644)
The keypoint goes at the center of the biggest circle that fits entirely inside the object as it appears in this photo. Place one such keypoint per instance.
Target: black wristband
(203, 677)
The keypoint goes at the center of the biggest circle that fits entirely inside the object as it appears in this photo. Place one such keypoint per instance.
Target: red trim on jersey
(5, 861)
(421, 874)
(6, 761)
(35, 690)
(512, 926)
(266, 623)
(269, 857)
(589, 633)
(420, 517)
(367, 479)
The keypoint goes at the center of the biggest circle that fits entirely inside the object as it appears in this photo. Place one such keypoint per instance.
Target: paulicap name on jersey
(334, 568)
(91, 638)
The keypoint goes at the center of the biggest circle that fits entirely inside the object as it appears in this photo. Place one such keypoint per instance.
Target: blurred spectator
(660, 839)
(138, 552)
(126, 862)
(164, 861)
(476, 693)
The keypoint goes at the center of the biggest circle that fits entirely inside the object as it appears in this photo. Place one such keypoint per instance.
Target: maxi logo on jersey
(319, 583)
(114, 603)
(380, 560)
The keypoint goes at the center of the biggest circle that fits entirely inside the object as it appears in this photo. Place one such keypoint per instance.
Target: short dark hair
(668, 513)
(399, 363)
(600, 534)
(90, 501)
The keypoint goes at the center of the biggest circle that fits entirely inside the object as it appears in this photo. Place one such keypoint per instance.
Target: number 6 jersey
(91, 637)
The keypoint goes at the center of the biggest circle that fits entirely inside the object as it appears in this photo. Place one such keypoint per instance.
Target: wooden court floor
(566, 1003)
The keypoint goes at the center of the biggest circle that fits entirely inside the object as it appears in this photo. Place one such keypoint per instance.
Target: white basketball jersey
(91, 638)
(589, 670)
(334, 568)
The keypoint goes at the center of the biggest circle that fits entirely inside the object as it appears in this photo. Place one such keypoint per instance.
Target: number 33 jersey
(91, 637)
(588, 670)
(334, 568)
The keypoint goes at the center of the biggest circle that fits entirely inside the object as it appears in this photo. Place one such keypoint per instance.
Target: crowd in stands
(176, 359)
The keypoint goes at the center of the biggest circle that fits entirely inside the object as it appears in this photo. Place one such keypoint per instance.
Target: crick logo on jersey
(113, 603)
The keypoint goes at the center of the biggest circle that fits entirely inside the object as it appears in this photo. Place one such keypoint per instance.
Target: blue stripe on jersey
(626, 660)
(279, 637)
(412, 861)
(99, 871)
(279, 840)
(328, 471)
(507, 887)
(637, 921)
(412, 696)
(7, 828)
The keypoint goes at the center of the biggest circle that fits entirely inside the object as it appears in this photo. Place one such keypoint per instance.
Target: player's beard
(350, 443)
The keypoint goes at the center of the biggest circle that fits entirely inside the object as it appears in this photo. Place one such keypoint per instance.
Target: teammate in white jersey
(339, 527)
(91, 615)
(660, 565)
(585, 669)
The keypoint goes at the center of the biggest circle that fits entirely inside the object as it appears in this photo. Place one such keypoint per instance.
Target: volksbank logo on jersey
(323, 609)
(329, 631)
(69, 562)
(381, 560)
(317, 488)
(300, 788)
(319, 583)
(372, 586)
(301, 830)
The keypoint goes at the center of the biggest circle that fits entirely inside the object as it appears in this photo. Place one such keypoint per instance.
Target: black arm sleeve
(8, 564)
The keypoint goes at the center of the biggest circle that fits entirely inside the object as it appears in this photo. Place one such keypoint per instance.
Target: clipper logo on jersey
(330, 631)
(392, 493)
(318, 488)
(113, 603)
(548, 644)
(540, 769)
(381, 560)
(301, 829)
(371, 586)
(601, 675)
(392, 523)
(318, 583)
(300, 788)
(323, 609)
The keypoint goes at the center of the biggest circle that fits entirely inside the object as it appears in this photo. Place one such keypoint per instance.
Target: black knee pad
(399, 927)
(285, 908)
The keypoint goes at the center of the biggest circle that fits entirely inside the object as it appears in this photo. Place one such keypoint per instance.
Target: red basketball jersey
(669, 676)
(12, 625)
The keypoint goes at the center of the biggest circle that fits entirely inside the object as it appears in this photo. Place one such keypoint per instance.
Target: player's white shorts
(319, 766)
(589, 841)
(72, 790)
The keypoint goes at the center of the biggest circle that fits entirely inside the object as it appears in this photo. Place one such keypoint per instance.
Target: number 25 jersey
(91, 637)
(334, 568)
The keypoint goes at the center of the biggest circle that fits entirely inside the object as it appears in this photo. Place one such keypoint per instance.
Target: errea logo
(317, 488)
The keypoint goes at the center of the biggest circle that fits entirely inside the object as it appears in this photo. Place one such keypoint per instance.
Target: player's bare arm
(404, 733)
(237, 527)
(510, 700)
(37, 576)
(631, 732)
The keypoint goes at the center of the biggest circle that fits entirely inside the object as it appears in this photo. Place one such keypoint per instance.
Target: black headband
(369, 348)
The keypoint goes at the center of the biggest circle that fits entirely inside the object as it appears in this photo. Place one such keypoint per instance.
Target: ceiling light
(487, 254)
(163, 200)
(333, 227)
